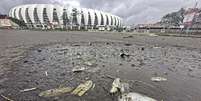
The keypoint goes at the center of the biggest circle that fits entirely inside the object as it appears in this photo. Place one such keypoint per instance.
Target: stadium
(49, 16)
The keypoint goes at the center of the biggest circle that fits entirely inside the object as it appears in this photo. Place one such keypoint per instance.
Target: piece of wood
(6, 98)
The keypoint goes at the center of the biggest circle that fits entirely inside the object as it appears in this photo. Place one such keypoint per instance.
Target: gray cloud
(132, 11)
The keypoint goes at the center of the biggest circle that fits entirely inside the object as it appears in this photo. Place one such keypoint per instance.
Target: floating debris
(39, 50)
(130, 36)
(25, 61)
(123, 55)
(90, 44)
(94, 85)
(154, 35)
(76, 45)
(115, 86)
(156, 47)
(93, 70)
(142, 48)
(83, 88)
(124, 88)
(135, 97)
(79, 69)
(90, 62)
(158, 79)
(128, 44)
(133, 65)
(107, 43)
(118, 86)
(62, 49)
(6, 98)
(46, 74)
(26, 90)
(55, 92)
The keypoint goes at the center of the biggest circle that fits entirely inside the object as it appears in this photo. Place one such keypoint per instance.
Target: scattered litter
(78, 69)
(109, 76)
(115, 85)
(152, 35)
(26, 90)
(25, 61)
(128, 44)
(94, 85)
(90, 44)
(46, 74)
(93, 70)
(76, 45)
(156, 47)
(107, 43)
(190, 69)
(90, 62)
(6, 98)
(39, 50)
(135, 97)
(158, 79)
(118, 86)
(130, 36)
(55, 92)
(83, 88)
(124, 88)
(63, 49)
(165, 73)
(123, 55)
(133, 65)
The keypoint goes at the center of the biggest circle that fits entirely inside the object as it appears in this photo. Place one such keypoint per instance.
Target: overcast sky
(132, 11)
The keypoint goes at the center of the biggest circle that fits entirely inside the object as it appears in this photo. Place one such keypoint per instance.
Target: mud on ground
(51, 65)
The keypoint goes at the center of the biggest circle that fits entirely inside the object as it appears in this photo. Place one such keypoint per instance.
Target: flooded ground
(47, 60)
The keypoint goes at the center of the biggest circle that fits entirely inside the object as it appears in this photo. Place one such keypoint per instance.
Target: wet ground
(46, 60)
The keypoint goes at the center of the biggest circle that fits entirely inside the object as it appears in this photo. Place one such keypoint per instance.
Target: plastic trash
(124, 88)
(134, 97)
(83, 88)
(116, 85)
(26, 90)
(6, 98)
(90, 62)
(158, 79)
(79, 69)
(55, 92)
(154, 35)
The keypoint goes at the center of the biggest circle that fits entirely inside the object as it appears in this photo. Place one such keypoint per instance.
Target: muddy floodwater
(48, 60)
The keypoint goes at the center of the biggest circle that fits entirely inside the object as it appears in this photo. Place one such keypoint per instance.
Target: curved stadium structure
(49, 16)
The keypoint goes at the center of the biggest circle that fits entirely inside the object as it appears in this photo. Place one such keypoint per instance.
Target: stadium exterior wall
(49, 16)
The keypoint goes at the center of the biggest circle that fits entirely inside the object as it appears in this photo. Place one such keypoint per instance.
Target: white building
(49, 16)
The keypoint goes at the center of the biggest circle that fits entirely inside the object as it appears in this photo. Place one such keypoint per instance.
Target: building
(49, 16)
(192, 19)
(3, 16)
(190, 15)
(4, 22)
